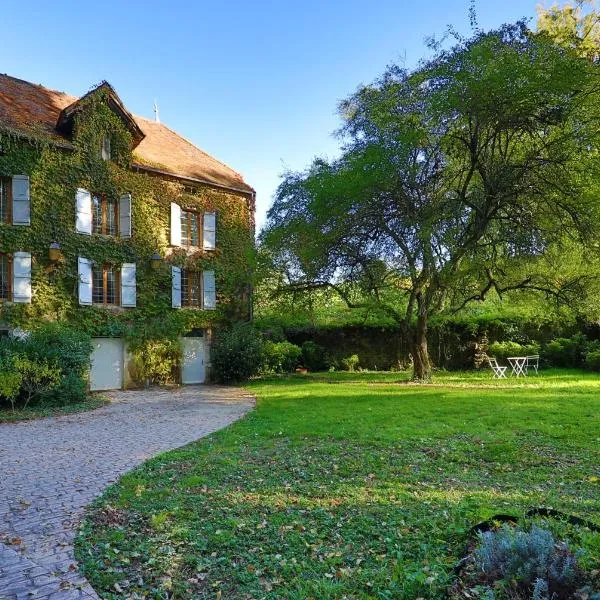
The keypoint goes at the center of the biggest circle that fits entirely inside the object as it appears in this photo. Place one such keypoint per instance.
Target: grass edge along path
(42, 412)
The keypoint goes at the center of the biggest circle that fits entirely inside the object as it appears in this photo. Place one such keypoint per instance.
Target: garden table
(518, 365)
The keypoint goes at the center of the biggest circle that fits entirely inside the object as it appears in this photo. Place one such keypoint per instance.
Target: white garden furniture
(533, 362)
(518, 365)
(499, 372)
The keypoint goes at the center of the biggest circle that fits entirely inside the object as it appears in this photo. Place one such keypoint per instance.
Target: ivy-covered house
(118, 226)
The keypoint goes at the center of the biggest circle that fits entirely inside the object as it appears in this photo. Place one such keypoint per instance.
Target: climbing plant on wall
(56, 173)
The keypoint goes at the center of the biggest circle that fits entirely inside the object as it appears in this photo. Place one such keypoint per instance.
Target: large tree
(455, 180)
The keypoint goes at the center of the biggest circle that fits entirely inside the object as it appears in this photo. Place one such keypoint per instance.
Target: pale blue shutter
(175, 224)
(128, 285)
(84, 271)
(83, 202)
(209, 290)
(22, 277)
(175, 287)
(210, 231)
(125, 216)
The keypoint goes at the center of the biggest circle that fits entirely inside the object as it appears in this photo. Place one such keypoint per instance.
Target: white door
(107, 364)
(193, 360)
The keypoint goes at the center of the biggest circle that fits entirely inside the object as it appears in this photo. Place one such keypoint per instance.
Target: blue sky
(255, 84)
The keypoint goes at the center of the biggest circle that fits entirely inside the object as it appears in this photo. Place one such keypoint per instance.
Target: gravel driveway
(51, 468)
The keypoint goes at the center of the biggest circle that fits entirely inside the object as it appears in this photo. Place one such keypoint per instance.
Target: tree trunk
(420, 354)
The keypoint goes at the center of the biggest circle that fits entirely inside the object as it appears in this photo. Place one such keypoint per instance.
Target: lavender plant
(539, 566)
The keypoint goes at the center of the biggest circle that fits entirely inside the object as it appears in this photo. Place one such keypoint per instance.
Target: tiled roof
(34, 110)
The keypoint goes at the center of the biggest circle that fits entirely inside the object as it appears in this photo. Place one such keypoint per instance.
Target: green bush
(61, 345)
(52, 364)
(68, 350)
(566, 352)
(10, 382)
(155, 361)
(237, 354)
(315, 357)
(502, 350)
(37, 378)
(592, 360)
(280, 357)
(350, 363)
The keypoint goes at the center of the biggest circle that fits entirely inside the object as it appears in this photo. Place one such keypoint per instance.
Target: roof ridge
(191, 144)
(39, 85)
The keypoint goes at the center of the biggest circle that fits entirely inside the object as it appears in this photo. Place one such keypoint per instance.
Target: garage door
(193, 360)
(107, 364)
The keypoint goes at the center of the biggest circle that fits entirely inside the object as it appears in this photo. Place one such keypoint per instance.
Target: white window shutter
(209, 290)
(83, 200)
(210, 231)
(22, 277)
(175, 224)
(21, 201)
(128, 285)
(176, 287)
(125, 216)
(84, 271)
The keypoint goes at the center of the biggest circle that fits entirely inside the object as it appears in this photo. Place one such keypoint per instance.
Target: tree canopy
(462, 177)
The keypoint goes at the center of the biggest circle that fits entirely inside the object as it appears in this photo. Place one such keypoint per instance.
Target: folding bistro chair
(499, 372)
(533, 362)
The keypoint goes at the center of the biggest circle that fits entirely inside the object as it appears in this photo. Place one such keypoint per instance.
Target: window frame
(105, 268)
(104, 203)
(187, 236)
(106, 148)
(190, 279)
(6, 183)
(9, 274)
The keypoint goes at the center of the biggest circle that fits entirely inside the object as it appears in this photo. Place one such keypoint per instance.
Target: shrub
(566, 352)
(53, 363)
(315, 357)
(540, 567)
(592, 360)
(61, 345)
(154, 360)
(280, 357)
(237, 354)
(502, 350)
(37, 377)
(10, 382)
(350, 363)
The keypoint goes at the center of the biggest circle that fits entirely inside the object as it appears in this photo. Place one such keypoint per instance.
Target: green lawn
(349, 486)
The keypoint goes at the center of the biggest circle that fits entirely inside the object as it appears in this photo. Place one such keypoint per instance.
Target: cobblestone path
(52, 468)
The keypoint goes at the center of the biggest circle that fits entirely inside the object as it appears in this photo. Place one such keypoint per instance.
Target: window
(105, 283)
(5, 277)
(105, 152)
(5, 199)
(191, 288)
(105, 215)
(190, 229)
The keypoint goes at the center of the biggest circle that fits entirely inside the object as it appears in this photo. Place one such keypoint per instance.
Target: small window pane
(97, 285)
(4, 199)
(194, 226)
(111, 216)
(111, 286)
(4, 278)
(185, 230)
(190, 229)
(190, 288)
(97, 213)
